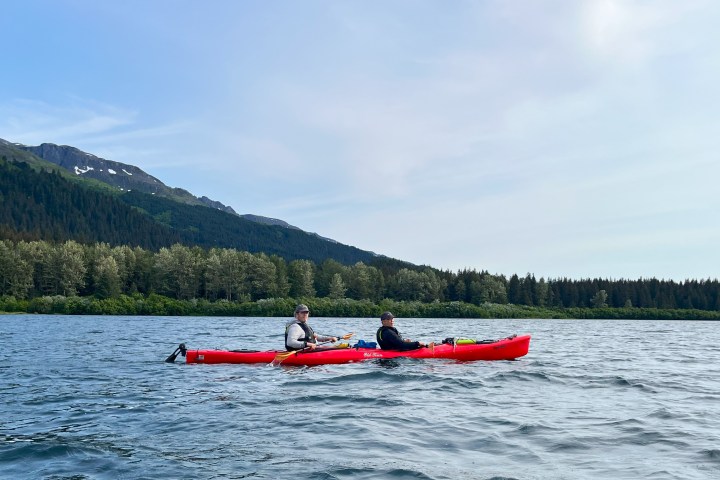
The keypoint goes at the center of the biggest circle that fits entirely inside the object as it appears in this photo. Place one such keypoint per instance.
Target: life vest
(309, 334)
(380, 331)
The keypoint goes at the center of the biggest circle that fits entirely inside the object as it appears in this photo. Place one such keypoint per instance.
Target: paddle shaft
(280, 357)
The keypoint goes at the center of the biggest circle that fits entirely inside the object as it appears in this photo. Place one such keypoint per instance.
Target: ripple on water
(101, 402)
(524, 376)
(712, 455)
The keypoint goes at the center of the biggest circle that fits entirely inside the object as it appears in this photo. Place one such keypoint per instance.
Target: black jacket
(389, 339)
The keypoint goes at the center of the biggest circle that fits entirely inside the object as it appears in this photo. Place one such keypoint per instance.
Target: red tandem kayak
(504, 349)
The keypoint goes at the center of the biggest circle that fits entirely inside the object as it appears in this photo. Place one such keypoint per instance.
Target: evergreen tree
(513, 290)
(460, 291)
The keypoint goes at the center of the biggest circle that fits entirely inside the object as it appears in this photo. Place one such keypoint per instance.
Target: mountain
(41, 200)
(122, 176)
(125, 177)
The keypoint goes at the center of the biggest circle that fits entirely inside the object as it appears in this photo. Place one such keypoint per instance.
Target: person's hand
(422, 344)
(333, 339)
(311, 346)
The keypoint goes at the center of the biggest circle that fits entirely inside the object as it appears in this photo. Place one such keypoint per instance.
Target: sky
(565, 139)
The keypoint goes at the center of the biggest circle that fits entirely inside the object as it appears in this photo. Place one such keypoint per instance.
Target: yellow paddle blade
(280, 357)
(347, 336)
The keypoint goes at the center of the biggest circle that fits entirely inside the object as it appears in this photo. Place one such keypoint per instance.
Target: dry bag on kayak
(364, 344)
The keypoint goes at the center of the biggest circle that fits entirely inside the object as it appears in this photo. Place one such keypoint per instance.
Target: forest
(69, 247)
(43, 273)
(37, 204)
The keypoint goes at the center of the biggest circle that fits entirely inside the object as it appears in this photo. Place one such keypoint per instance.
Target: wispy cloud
(105, 130)
(550, 137)
(34, 121)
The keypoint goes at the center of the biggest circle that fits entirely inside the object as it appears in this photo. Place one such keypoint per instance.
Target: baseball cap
(386, 316)
(301, 308)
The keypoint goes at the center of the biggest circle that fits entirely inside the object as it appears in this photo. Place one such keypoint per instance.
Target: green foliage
(301, 275)
(47, 206)
(208, 227)
(107, 251)
(9, 303)
(157, 305)
(599, 300)
(54, 207)
(181, 280)
(337, 287)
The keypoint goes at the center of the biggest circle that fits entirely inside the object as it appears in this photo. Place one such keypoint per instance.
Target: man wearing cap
(299, 335)
(389, 338)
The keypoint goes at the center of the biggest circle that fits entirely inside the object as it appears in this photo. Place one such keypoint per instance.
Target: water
(91, 398)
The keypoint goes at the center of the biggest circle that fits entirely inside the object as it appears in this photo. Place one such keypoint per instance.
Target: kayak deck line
(508, 348)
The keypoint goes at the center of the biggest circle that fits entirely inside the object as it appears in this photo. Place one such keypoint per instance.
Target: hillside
(207, 227)
(37, 202)
(121, 177)
(45, 206)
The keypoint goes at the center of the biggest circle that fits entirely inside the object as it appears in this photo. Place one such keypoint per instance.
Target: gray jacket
(296, 338)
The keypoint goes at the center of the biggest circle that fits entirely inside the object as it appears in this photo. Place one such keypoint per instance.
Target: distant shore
(157, 305)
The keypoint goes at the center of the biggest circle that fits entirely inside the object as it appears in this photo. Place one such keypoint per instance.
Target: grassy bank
(157, 305)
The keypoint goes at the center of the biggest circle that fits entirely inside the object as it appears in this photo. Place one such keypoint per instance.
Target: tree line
(41, 205)
(34, 269)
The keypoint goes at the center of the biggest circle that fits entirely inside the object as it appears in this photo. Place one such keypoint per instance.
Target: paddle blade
(179, 350)
(173, 356)
(280, 357)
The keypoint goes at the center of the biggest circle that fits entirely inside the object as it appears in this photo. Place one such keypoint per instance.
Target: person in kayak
(299, 335)
(389, 338)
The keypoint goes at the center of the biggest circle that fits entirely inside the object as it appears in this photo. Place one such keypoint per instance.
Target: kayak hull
(505, 349)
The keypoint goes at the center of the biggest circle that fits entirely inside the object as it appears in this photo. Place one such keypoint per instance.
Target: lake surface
(91, 398)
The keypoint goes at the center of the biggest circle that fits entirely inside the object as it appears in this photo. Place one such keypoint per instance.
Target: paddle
(280, 357)
(180, 349)
(344, 337)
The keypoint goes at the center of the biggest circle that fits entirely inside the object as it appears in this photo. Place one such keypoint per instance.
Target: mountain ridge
(208, 227)
(127, 177)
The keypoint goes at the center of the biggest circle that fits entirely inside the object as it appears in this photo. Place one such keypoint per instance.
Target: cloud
(542, 137)
(34, 121)
(633, 33)
(105, 130)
